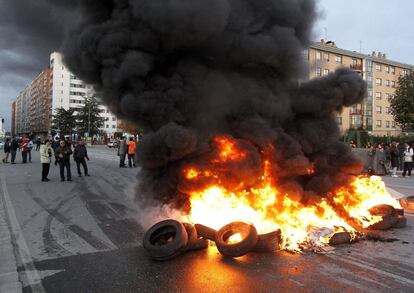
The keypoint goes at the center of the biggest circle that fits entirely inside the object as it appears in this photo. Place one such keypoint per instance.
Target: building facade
(40, 104)
(22, 112)
(69, 92)
(55, 87)
(381, 76)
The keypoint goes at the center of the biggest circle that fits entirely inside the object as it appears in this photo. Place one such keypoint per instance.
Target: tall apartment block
(55, 87)
(69, 92)
(381, 75)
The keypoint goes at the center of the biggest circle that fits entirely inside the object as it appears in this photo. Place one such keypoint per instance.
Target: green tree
(88, 117)
(63, 122)
(402, 103)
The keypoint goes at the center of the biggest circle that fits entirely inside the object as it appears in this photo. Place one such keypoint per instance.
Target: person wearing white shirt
(408, 160)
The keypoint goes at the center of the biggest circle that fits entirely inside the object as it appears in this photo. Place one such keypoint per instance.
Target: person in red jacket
(25, 149)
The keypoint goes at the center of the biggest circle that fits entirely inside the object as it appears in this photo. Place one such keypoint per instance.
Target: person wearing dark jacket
(62, 155)
(395, 157)
(14, 146)
(7, 149)
(79, 155)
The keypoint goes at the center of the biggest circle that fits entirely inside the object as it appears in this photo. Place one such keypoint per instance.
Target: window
(387, 124)
(392, 70)
(77, 94)
(113, 126)
(354, 62)
(404, 72)
(378, 109)
(392, 83)
(77, 85)
(63, 67)
(62, 75)
(106, 126)
(387, 69)
(387, 83)
(318, 71)
(325, 71)
(393, 124)
(318, 55)
(378, 95)
(388, 96)
(113, 119)
(339, 120)
(378, 81)
(378, 67)
(387, 110)
(378, 123)
(326, 57)
(338, 59)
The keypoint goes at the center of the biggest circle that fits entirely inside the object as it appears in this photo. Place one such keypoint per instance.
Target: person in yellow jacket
(132, 146)
(46, 155)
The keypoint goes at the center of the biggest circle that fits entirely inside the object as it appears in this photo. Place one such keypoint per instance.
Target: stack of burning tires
(170, 238)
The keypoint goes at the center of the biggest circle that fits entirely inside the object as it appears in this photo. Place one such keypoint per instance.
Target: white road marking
(32, 275)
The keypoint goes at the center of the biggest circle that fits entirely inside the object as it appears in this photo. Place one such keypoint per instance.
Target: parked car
(1, 145)
(112, 144)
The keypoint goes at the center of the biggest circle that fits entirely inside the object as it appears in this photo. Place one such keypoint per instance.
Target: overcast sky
(368, 25)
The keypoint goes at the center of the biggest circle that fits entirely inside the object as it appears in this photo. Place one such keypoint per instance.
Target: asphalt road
(83, 236)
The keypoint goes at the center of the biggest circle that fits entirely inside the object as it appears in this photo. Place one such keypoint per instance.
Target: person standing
(79, 155)
(7, 149)
(29, 152)
(25, 149)
(14, 146)
(62, 155)
(46, 154)
(394, 157)
(122, 151)
(38, 143)
(408, 160)
(131, 152)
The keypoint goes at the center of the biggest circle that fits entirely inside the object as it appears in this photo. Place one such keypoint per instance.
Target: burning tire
(340, 238)
(194, 242)
(407, 202)
(165, 240)
(388, 214)
(247, 233)
(206, 232)
(268, 242)
(401, 222)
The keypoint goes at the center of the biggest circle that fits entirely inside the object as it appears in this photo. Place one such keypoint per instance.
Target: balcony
(355, 112)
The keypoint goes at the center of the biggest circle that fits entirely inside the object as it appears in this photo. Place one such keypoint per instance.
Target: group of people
(24, 145)
(399, 156)
(127, 149)
(59, 150)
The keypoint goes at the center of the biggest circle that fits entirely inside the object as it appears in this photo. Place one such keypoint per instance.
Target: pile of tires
(390, 217)
(170, 238)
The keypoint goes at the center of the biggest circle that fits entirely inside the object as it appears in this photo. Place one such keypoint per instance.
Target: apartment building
(68, 91)
(40, 104)
(22, 111)
(381, 75)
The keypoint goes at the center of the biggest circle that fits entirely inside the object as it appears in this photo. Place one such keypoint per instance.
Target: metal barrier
(374, 161)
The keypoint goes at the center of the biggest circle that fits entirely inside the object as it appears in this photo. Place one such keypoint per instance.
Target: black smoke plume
(186, 71)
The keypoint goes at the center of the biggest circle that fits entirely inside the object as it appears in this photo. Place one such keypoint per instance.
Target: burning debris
(233, 131)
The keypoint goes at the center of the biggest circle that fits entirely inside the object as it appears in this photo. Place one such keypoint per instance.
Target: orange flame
(268, 209)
